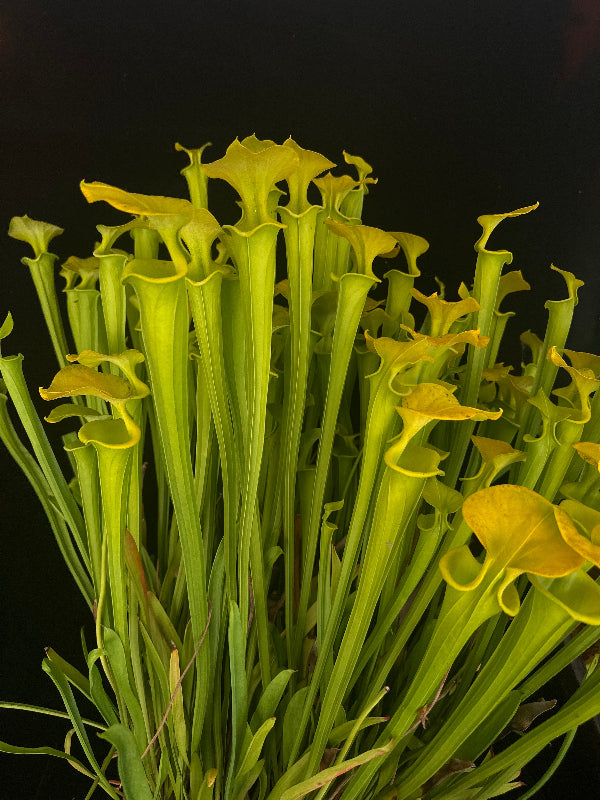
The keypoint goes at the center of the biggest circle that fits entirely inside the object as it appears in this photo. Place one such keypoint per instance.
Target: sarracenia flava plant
(362, 545)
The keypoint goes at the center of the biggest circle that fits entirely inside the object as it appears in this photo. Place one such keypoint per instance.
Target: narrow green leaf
(117, 660)
(247, 780)
(99, 696)
(290, 721)
(325, 776)
(131, 770)
(253, 752)
(239, 692)
(73, 675)
(60, 681)
(50, 712)
(270, 698)
(177, 712)
(51, 751)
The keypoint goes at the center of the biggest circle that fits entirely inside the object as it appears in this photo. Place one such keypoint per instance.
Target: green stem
(560, 316)
(461, 615)
(254, 256)
(538, 627)
(353, 290)
(164, 317)
(582, 706)
(36, 478)
(114, 481)
(205, 301)
(89, 488)
(113, 300)
(564, 749)
(42, 272)
(487, 276)
(12, 373)
(299, 240)
(398, 495)
(568, 433)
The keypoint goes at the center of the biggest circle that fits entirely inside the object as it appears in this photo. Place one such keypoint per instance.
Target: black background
(462, 108)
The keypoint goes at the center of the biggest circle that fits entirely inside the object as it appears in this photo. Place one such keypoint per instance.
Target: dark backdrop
(463, 108)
